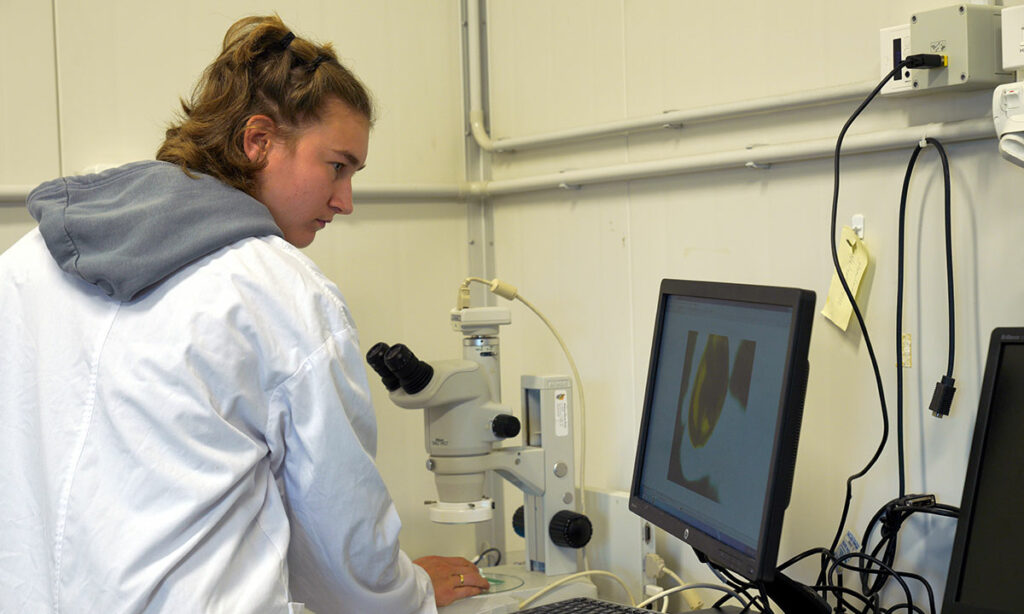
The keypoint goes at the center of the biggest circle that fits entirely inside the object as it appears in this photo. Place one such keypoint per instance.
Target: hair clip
(320, 59)
(282, 44)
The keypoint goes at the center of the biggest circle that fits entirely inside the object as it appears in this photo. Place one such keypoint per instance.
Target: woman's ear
(256, 139)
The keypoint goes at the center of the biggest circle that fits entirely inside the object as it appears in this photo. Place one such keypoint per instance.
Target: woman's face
(306, 184)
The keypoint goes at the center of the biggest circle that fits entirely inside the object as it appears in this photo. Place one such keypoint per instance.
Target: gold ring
(462, 579)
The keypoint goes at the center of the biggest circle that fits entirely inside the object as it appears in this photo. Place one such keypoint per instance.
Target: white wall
(593, 258)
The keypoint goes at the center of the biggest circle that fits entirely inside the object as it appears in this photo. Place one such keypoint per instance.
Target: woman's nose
(341, 200)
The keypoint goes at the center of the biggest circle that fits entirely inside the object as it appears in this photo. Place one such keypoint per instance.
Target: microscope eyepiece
(412, 373)
(375, 358)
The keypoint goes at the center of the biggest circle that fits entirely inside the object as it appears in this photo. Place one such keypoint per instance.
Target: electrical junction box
(970, 35)
(1013, 37)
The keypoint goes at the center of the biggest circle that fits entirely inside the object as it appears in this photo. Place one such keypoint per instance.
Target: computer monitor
(984, 574)
(721, 418)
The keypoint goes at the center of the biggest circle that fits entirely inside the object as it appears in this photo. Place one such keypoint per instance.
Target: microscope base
(508, 601)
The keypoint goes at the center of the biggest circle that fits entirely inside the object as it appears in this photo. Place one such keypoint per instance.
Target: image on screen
(714, 410)
(720, 378)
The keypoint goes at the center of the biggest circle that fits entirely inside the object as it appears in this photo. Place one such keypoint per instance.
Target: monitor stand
(794, 597)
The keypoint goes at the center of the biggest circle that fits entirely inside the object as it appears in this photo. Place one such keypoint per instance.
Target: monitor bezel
(761, 565)
(1000, 339)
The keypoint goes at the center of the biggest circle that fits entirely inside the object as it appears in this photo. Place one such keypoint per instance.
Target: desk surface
(508, 601)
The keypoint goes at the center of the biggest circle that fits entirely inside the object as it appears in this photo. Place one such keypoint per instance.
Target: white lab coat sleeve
(344, 554)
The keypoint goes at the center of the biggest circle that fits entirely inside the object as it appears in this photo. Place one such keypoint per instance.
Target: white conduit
(760, 157)
(409, 192)
(15, 195)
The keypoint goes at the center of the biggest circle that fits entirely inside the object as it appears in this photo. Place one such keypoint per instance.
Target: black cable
(883, 569)
(764, 598)
(826, 555)
(912, 61)
(944, 390)
(887, 570)
(927, 587)
(841, 591)
(481, 556)
(899, 318)
(740, 585)
(743, 587)
(892, 516)
(853, 301)
(824, 552)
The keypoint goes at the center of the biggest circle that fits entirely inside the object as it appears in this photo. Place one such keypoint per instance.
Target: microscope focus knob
(570, 529)
(505, 426)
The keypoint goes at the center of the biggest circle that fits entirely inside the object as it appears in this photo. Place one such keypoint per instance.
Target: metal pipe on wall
(760, 157)
(15, 195)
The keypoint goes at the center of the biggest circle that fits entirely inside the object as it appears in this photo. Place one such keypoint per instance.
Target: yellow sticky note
(853, 259)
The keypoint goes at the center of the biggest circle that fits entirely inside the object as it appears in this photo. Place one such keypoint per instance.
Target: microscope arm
(523, 466)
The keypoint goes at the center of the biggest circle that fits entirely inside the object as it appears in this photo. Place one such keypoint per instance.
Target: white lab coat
(207, 447)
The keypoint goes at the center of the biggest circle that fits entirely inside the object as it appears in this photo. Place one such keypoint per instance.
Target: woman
(187, 424)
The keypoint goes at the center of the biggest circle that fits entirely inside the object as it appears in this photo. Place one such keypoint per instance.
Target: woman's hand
(453, 578)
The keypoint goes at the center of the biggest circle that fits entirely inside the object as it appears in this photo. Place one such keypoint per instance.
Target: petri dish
(502, 582)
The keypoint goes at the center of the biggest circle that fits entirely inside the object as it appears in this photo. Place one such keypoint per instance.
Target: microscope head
(1008, 116)
(461, 425)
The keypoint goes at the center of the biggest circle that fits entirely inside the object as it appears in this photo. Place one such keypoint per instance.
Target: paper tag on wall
(853, 259)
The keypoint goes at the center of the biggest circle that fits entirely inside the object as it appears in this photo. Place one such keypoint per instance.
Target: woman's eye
(338, 167)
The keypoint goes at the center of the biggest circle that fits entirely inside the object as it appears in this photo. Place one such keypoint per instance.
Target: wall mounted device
(970, 35)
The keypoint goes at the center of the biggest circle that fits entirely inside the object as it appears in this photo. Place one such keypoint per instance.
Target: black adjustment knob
(505, 426)
(519, 521)
(570, 530)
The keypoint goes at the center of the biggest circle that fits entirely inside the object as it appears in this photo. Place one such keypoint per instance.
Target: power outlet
(893, 46)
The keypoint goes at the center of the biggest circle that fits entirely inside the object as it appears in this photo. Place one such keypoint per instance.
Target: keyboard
(584, 605)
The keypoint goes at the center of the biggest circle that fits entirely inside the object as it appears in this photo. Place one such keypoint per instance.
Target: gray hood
(128, 228)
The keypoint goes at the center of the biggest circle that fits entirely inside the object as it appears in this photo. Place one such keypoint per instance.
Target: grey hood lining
(128, 228)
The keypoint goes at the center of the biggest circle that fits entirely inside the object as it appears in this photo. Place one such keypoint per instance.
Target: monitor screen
(721, 418)
(983, 573)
